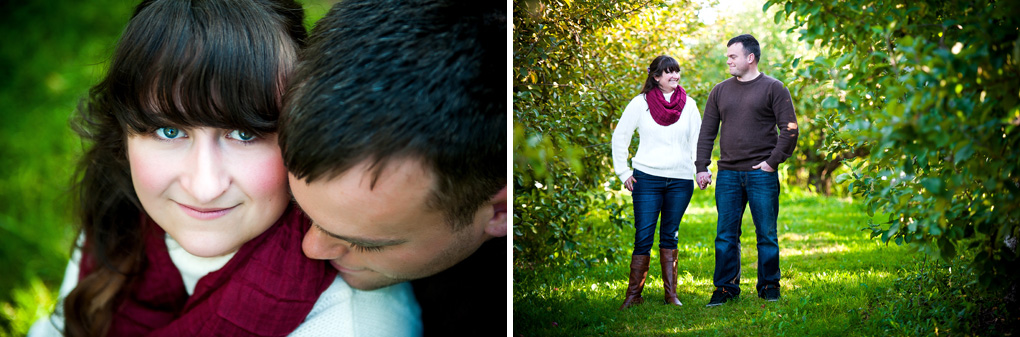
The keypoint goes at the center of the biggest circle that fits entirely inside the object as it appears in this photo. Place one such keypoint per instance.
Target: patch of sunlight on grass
(816, 250)
(814, 236)
(844, 278)
(878, 274)
(696, 329)
(793, 237)
(700, 210)
(688, 279)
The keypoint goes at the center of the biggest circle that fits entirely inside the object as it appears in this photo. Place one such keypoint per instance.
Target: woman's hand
(629, 184)
(704, 179)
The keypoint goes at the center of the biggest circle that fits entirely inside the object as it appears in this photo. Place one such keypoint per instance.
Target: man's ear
(496, 226)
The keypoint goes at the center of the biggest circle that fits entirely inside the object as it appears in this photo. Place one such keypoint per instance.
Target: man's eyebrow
(359, 241)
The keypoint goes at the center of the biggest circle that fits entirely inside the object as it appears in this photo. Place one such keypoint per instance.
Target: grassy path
(835, 281)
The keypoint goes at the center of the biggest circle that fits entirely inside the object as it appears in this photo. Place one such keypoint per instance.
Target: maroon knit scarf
(666, 113)
(267, 288)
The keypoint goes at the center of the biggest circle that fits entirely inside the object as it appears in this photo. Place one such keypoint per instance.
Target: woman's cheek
(268, 176)
(148, 174)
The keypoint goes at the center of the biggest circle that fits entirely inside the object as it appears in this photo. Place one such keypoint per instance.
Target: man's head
(395, 136)
(742, 55)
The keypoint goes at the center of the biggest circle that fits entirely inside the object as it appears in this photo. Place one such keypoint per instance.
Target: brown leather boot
(667, 257)
(638, 271)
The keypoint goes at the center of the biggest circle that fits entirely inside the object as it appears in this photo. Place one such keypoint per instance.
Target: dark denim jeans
(734, 190)
(653, 196)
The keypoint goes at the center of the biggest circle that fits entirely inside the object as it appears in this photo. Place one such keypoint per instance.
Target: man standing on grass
(759, 132)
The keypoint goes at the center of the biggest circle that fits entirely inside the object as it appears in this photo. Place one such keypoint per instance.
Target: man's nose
(319, 246)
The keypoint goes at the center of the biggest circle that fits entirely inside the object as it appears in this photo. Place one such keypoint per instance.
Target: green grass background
(51, 52)
(836, 281)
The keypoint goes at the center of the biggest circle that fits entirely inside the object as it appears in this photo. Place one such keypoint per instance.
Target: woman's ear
(496, 226)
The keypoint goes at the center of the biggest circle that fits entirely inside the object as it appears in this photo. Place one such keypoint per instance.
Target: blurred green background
(51, 52)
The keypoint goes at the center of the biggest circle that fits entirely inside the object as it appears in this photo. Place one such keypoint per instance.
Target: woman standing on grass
(662, 180)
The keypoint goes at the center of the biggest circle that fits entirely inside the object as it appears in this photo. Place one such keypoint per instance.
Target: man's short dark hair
(750, 45)
(397, 79)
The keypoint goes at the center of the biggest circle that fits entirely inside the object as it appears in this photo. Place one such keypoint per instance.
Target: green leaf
(820, 60)
(779, 16)
(933, 185)
(906, 41)
(892, 231)
(830, 103)
(963, 154)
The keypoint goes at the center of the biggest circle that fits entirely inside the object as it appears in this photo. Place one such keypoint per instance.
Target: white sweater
(664, 151)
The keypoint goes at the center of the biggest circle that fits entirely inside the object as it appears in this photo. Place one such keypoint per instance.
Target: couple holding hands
(753, 116)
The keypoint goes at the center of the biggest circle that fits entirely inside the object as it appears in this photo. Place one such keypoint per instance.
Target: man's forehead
(733, 48)
(344, 207)
(398, 196)
(382, 189)
(370, 173)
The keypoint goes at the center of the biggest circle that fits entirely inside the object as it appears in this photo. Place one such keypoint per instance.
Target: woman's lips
(205, 213)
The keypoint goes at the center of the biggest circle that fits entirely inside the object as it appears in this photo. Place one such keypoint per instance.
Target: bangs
(668, 65)
(201, 64)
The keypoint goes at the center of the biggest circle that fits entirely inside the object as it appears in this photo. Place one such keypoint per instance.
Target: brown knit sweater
(758, 124)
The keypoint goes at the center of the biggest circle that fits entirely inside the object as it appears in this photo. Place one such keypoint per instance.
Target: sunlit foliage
(927, 91)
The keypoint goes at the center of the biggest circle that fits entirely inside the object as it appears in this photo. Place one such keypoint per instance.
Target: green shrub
(929, 91)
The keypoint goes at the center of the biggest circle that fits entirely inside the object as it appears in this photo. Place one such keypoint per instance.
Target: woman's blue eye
(168, 133)
(242, 135)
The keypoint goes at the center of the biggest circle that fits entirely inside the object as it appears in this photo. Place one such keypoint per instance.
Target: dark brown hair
(750, 45)
(396, 79)
(220, 64)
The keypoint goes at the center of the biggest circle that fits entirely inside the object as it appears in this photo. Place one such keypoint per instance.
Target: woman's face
(211, 189)
(668, 80)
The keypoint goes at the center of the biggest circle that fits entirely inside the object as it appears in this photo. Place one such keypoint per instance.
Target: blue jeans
(733, 190)
(654, 195)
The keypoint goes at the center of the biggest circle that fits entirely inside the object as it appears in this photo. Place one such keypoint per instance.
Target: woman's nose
(207, 178)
